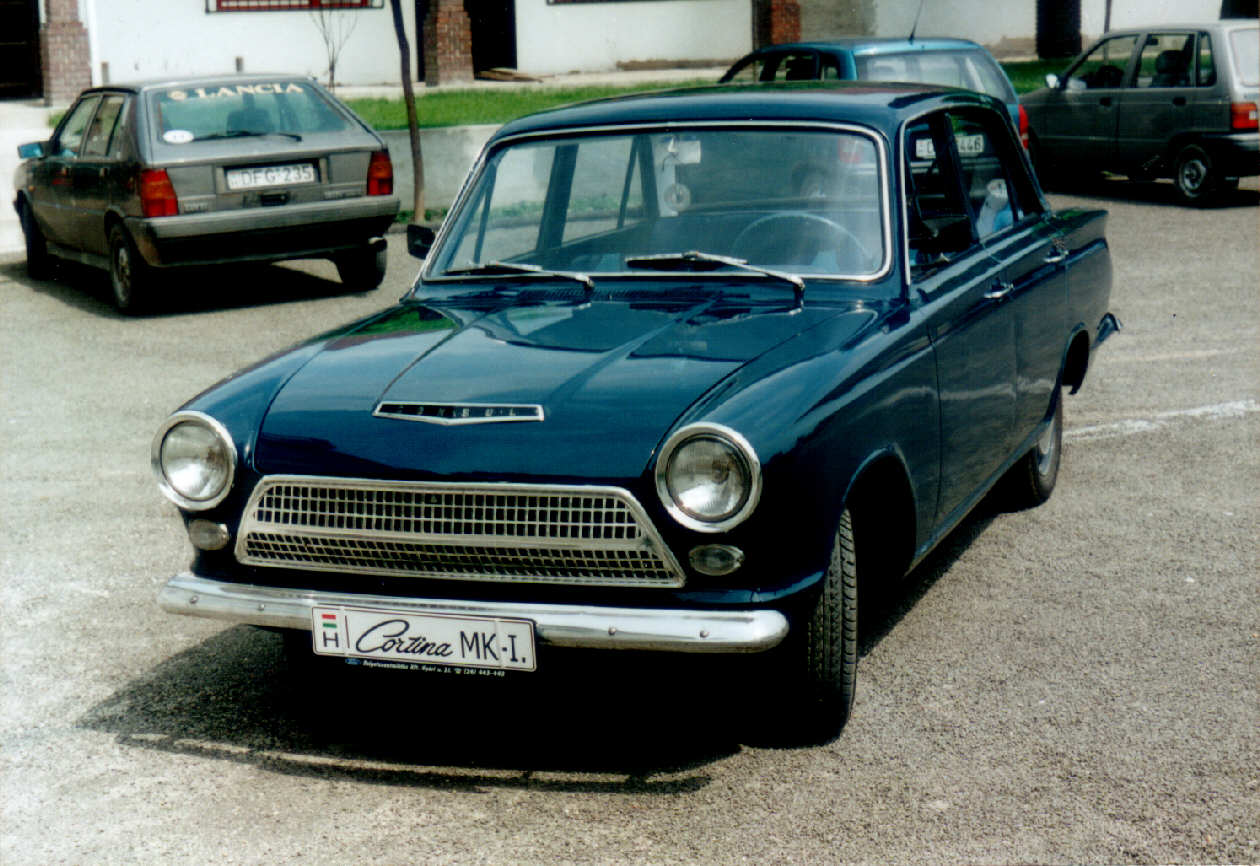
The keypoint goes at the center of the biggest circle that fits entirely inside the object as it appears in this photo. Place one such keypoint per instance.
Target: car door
(53, 196)
(1078, 119)
(1158, 103)
(971, 327)
(92, 174)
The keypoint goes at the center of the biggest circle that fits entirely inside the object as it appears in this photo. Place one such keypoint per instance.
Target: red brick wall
(447, 43)
(67, 59)
(776, 21)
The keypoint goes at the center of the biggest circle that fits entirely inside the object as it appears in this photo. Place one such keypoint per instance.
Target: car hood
(611, 376)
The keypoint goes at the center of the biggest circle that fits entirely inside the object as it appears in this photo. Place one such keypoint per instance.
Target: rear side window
(237, 110)
(1245, 45)
(1167, 60)
(70, 137)
(101, 132)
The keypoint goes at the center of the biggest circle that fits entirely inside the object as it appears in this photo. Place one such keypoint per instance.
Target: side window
(794, 67)
(70, 136)
(1104, 66)
(1206, 75)
(101, 132)
(938, 218)
(983, 172)
(748, 72)
(1166, 60)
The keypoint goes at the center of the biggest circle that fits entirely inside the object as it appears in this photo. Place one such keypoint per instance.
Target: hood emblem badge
(453, 414)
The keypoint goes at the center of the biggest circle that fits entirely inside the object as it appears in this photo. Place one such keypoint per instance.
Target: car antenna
(915, 26)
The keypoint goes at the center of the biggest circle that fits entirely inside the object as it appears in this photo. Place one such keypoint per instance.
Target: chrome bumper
(591, 626)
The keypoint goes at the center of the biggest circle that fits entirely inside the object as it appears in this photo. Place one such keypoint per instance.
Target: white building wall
(143, 39)
(990, 22)
(596, 37)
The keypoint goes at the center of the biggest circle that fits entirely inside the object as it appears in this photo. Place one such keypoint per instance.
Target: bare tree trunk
(409, 97)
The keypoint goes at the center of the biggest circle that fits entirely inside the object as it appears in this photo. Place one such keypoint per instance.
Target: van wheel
(1194, 175)
(38, 261)
(128, 272)
(362, 270)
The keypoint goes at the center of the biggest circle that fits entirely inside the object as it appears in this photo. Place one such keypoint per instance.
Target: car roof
(1222, 24)
(226, 80)
(872, 45)
(881, 106)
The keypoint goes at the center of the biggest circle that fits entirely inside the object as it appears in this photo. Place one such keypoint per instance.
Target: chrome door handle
(1000, 290)
(1055, 256)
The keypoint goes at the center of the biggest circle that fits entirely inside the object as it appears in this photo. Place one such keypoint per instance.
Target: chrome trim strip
(458, 414)
(561, 625)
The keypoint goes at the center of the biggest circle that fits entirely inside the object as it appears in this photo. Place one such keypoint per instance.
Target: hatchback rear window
(1246, 46)
(185, 114)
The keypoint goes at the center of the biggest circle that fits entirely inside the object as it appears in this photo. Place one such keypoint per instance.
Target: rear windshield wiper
(694, 260)
(246, 133)
(508, 268)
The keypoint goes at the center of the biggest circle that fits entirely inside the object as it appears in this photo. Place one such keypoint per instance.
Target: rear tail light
(157, 195)
(1023, 127)
(1243, 115)
(380, 174)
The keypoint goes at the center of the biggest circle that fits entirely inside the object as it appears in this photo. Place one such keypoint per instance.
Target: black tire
(363, 269)
(1195, 176)
(814, 674)
(1030, 482)
(38, 261)
(128, 272)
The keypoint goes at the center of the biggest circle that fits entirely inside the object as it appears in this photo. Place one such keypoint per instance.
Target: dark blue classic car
(682, 372)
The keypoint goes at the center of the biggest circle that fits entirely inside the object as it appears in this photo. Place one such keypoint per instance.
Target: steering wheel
(793, 239)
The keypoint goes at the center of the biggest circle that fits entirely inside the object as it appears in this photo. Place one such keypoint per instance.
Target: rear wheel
(128, 272)
(38, 261)
(1030, 482)
(362, 270)
(1194, 175)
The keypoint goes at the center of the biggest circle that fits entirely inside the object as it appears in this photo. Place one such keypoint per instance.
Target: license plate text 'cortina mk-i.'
(428, 639)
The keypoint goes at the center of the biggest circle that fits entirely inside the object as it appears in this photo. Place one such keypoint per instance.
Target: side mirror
(419, 240)
(1052, 81)
(32, 150)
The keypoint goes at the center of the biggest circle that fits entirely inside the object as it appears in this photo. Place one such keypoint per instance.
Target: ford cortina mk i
(683, 372)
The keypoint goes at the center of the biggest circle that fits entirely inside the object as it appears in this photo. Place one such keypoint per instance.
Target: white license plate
(968, 145)
(425, 641)
(271, 175)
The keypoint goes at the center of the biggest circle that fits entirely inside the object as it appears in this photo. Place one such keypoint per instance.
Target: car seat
(1170, 70)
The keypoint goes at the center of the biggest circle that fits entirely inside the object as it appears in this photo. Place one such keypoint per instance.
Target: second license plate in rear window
(270, 175)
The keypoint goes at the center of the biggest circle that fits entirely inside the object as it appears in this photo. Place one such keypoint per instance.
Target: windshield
(1246, 44)
(969, 70)
(213, 112)
(808, 201)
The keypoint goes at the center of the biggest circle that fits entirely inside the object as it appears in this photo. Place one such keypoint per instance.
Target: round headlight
(708, 477)
(194, 460)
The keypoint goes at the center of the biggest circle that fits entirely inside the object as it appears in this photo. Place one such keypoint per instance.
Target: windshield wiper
(694, 260)
(247, 133)
(507, 268)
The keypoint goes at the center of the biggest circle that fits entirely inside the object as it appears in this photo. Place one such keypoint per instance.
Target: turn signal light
(380, 174)
(1243, 116)
(157, 195)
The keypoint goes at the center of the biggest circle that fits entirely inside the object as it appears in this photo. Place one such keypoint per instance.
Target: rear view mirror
(32, 150)
(419, 240)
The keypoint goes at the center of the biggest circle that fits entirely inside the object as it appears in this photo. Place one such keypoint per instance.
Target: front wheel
(1194, 175)
(128, 272)
(1030, 481)
(362, 270)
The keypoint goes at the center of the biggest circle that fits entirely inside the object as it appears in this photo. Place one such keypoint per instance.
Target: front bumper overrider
(561, 625)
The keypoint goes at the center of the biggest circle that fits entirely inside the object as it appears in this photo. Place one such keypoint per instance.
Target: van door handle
(999, 291)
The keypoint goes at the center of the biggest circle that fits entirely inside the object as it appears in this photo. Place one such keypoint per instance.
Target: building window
(285, 5)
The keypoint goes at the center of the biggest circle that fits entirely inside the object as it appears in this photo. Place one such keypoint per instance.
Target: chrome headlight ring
(194, 459)
(708, 477)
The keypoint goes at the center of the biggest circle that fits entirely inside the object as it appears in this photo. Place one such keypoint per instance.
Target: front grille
(593, 536)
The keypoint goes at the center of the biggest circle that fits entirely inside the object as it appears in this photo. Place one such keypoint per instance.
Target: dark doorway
(493, 33)
(20, 74)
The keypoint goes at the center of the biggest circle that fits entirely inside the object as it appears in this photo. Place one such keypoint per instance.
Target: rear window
(1246, 48)
(186, 114)
(966, 69)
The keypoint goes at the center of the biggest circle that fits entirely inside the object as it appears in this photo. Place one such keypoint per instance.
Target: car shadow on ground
(182, 291)
(1114, 188)
(588, 722)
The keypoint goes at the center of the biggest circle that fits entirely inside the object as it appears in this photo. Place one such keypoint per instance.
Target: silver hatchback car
(1174, 101)
(142, 178)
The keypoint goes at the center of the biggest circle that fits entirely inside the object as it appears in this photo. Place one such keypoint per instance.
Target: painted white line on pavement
(1215, 412)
